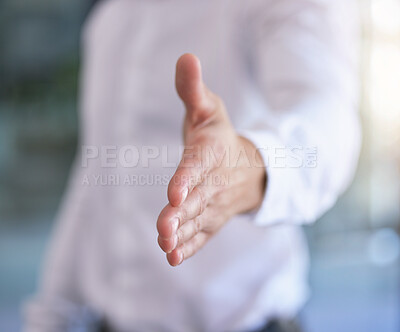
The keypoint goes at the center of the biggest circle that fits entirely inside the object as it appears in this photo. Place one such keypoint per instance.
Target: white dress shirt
(287, 72)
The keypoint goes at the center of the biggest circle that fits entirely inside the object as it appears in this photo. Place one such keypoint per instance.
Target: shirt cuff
(281, 179)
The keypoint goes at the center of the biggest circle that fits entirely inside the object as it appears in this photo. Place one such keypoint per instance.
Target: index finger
(192, 171)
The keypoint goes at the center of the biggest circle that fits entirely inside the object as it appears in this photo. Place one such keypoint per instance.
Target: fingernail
(175, 225)
(180, 257)
(184, 195)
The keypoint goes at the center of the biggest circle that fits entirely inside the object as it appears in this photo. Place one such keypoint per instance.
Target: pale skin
(205, 193)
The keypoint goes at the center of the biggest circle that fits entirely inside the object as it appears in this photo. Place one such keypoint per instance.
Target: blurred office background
(355, 248)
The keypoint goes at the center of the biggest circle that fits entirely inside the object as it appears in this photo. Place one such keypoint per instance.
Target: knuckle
(184, 248)
(197, 225)
(202, 200)
(180, 235)
(184, 212)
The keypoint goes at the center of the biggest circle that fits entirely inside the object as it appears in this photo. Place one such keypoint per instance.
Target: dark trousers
(281, 326)
(273, 326)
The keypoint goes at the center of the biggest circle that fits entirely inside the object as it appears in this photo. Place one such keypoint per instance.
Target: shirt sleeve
(303, 56)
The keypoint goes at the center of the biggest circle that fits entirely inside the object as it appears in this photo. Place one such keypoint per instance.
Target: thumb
(200, 103)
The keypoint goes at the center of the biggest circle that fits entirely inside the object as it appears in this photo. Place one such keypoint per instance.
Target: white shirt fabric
(287, 72)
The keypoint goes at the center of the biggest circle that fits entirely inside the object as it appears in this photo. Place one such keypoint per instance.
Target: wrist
(256, 175)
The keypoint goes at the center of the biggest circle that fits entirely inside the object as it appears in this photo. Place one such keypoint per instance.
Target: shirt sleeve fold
(305, 67)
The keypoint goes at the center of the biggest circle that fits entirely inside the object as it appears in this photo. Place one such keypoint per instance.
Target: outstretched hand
(220, 175)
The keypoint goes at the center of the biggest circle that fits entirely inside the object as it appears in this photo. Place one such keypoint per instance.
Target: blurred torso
(246, 274)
